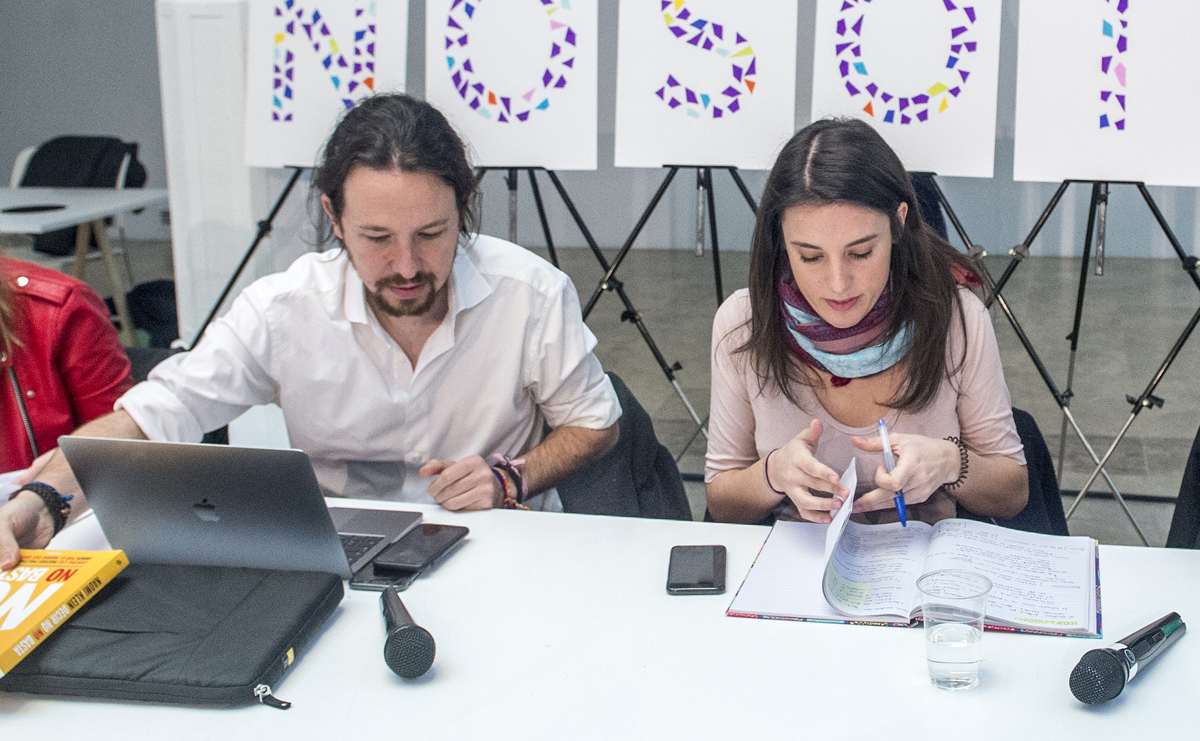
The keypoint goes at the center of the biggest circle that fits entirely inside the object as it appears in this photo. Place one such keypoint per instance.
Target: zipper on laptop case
(263, 693)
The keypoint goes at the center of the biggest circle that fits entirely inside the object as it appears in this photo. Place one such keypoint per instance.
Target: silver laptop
(218, 505)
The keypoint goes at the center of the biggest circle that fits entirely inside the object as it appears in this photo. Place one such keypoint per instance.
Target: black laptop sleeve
(191, 635)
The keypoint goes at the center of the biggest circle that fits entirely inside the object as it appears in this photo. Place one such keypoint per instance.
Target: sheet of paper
(924, 74)
(850, 481)
(518, 80)
(307, 63)
(874, 568)
(6, 486)
(713, 85)
(785, 580)
(1044, 581)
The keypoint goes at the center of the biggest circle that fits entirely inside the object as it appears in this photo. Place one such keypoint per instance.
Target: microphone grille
(1098, 677)
(409, 651)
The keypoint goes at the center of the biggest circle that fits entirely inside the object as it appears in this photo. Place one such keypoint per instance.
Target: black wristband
(59, 505)
(963, 461)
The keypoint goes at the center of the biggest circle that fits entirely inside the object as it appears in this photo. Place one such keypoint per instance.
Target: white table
(559, 627)
(85, 208)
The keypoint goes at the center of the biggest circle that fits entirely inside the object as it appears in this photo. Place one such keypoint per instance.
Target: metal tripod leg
(630, 314)
(541, 209)
(700, 186)
(712, 229)
(993, 289)
(1021, 251)
(1073, 337)
(1147, 399)
(610, 270)
(511, 179)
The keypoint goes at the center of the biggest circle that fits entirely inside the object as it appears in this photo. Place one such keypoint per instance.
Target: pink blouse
(746, 424)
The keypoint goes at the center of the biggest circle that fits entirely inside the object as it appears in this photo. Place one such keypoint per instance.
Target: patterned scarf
(848, 353)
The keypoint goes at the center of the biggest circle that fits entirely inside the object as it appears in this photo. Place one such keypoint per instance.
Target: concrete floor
(1133, 315)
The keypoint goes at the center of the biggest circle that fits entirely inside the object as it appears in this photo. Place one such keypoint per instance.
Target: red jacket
(70, 366)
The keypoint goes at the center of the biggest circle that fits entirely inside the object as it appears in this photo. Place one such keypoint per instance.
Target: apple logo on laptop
(206, 511)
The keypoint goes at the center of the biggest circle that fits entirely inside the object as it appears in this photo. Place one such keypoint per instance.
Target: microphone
(409, 648)
(1103, 672)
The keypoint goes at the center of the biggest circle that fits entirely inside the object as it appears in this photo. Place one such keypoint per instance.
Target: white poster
(516, 78)
(307, 62)
(705, 82)
(1106, 91)
(923, 72)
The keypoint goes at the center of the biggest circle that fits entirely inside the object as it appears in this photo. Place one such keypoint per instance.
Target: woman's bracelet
(767, 476)
(963, 462)
(58, 504)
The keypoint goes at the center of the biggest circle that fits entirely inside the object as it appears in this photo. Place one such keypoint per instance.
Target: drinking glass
(953, 603)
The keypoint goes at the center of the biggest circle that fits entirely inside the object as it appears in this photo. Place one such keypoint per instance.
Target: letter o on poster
(517, 79)
(924, 74)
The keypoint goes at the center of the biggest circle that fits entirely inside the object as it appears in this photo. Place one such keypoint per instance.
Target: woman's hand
(35, 468)
(794, 470)
(922, 465)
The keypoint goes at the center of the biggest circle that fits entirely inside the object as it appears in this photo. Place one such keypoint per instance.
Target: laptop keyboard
(356, 545)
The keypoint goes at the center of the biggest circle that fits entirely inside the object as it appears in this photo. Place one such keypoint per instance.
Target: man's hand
(463, 485)
(24, 521)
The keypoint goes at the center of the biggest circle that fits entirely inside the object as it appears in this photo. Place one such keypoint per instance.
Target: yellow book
(45, 589)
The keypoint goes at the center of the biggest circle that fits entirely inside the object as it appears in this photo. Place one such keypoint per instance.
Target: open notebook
(851, 573)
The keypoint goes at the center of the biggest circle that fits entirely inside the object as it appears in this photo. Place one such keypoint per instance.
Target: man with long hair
(416, 361)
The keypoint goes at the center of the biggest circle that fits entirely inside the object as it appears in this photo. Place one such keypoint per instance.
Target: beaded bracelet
(962, 465)
(766, 475)
(508, 501)
(514, 468)
(58, 504)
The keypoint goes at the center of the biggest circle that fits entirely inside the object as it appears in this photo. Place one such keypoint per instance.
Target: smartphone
(419, 548)
(696, 569)
(402, 562)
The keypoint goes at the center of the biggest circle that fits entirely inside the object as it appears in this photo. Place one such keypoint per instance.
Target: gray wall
(91, 67)
(82, 68)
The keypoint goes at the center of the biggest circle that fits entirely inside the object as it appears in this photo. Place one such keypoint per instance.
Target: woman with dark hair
(856, 312)
(60, 359)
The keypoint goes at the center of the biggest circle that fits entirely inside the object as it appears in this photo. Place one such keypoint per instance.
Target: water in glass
(953, 653)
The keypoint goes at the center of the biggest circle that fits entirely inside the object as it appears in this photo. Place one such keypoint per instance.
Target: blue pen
(887, 455)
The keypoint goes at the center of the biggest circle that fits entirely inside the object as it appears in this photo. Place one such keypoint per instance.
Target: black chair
(1044, 511)
(77, 162)
(1185, 523)
(143, 359)
(637, 478)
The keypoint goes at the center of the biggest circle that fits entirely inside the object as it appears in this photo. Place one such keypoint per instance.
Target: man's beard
(403, 307)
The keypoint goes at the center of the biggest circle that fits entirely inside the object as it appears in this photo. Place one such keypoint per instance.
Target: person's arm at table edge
(470, 484)
(25, 521)
(564, 451)
(741, 495)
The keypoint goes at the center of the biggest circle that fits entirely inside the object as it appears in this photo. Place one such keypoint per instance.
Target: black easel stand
(630, 314)
(610, 283)
(703, 181)
(264, 228)
(510, 179)
(1096, 227)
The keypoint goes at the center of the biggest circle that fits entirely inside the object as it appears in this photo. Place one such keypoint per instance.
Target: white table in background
(552, 626)
(85, 208)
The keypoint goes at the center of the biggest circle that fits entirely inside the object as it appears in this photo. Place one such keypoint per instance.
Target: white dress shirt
(512, 352)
